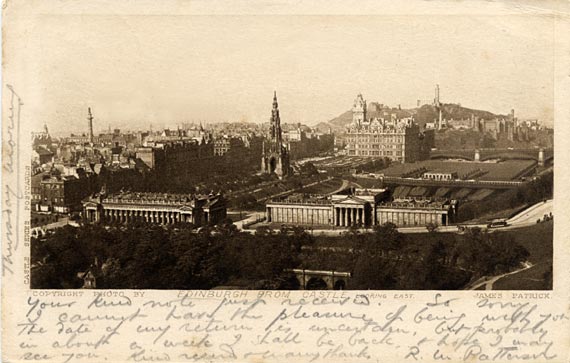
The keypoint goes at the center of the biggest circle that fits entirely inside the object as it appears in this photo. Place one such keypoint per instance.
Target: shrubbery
(147, 256)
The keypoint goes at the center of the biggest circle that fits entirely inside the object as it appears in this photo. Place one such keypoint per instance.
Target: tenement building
(156, 208)
(275, 156)
(53, 192)
(398, 139)
(175, 156)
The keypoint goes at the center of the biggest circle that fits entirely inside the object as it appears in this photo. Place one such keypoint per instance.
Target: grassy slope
(538, 241)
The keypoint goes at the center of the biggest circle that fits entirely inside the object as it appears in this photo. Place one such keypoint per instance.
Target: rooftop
(299, 198)
(157, 198)
(416, 204)
(369, 192)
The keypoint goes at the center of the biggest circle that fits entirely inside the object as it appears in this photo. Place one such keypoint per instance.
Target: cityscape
(438, 197)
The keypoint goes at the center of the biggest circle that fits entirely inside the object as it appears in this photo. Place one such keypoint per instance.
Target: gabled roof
(90, 203)
(350, 200)
(213, 202)
(42, 151)
(187, 208)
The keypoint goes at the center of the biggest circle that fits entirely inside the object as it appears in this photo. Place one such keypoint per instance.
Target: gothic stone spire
(275, 121)
(275, 157)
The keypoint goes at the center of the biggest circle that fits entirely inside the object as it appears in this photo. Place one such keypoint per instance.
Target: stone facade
(275, 156)
(359, 208)
(393, 138)
(222, 145)
(156, 208)
(351, 207)
(53, 192)
(175, 156)
(410, 213)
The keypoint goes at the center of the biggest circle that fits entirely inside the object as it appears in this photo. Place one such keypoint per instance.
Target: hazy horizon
(166, 70)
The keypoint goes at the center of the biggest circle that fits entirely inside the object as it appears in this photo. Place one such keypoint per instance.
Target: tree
(386, 239)
(432, 227)
(263, 231)
(226, 228)
(309, 170)
(373, 272)
(434, 263)
(112, 275)
(490, 253)
(45, 276)
(300, 238)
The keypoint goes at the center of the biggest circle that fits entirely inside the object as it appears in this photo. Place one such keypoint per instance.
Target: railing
(145, 201)
(299, 202)
(318, 272)
(485, 152)
(453, 183)
(413, 206)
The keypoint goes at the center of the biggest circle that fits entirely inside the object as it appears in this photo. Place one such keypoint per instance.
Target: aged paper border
(19, 18)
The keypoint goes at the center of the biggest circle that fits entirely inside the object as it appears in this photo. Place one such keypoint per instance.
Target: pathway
(488, 281)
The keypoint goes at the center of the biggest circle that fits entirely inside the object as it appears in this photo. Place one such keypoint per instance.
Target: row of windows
(55, 200)
(388, 144)
(376, 146)
(366, 142)
(378, 153)
(376, 139)
(54, 186)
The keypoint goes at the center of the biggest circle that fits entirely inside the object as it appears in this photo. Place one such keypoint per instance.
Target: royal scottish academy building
(156, 208)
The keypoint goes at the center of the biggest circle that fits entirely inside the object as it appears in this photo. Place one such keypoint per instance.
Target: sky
(136, 70)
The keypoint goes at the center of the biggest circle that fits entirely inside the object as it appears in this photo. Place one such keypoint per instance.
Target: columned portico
(350, 216)
(155, 208)
(351, 207)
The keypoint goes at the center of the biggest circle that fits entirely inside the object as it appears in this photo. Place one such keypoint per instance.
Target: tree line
(388, 259)
(145, 256)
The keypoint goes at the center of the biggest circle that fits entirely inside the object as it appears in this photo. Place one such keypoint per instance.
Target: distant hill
(422, 115)
(428, 113)
(342, 120)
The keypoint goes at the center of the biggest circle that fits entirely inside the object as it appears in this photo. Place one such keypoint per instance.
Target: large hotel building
(398, 139)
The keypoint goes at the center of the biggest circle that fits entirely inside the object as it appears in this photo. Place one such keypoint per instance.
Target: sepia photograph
(293, 152)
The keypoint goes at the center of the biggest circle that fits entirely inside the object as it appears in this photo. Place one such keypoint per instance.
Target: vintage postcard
(282, 181)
